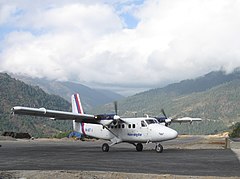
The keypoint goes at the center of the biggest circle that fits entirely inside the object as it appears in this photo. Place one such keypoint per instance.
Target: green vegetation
(235, 130)
(14, 93)
(200, 128)
(61, 134)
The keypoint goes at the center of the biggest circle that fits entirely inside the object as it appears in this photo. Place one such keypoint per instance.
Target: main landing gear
(139, 147)
(105, 147)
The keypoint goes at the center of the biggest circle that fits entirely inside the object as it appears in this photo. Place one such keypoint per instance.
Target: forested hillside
(214, 97)
(14, 92)
(221, 102)
(200, 84)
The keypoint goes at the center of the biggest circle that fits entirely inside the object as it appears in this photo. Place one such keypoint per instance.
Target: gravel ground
(64, 174)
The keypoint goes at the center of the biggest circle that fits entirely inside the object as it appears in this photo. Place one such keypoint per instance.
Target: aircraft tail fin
(77, 109)
(76, 104)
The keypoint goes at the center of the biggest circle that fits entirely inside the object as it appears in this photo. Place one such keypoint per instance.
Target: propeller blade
(162, 110)
(115, 107)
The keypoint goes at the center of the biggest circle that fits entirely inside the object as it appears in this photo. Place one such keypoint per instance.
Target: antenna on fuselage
(146, 115)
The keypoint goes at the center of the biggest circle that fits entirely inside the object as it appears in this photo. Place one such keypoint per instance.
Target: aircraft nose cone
(172, 134)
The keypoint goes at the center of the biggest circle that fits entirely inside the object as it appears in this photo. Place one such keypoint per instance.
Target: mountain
(90, 97)
(14, 92)
(202, 83)
(214, 97)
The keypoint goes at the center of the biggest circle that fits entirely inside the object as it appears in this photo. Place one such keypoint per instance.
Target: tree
(235, 130)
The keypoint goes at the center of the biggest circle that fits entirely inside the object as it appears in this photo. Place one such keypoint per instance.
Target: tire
(105, 147)
(139, 147)
(159, 148)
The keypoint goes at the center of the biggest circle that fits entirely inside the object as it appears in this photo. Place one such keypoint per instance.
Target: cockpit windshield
(151, 121)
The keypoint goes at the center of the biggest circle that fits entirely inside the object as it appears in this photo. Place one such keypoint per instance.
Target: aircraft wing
(186, 119)
(58, 115)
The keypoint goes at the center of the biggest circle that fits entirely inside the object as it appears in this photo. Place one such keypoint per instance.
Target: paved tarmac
(87, 156)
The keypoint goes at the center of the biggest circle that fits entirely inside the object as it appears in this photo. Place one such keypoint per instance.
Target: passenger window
(123, 125)
(134, 125)
(129, 125)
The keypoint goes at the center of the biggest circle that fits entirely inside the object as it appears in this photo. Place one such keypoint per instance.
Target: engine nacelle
(108, 119)
(168, 120)
(106, 122)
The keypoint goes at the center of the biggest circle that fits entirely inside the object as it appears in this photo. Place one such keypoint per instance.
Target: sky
(127, 46)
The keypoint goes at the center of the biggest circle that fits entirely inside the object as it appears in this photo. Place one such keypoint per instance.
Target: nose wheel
(159, 148)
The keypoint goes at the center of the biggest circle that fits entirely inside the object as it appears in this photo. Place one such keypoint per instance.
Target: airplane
(112, 127)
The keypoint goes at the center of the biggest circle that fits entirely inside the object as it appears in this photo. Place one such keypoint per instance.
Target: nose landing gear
(159, 148)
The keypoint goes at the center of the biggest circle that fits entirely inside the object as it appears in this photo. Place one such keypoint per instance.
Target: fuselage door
(144, 129)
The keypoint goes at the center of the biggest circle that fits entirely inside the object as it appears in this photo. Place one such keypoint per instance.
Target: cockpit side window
(151, 121)
(143, 124)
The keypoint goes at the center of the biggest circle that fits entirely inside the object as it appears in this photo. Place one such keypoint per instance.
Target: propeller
(115, 107)
(116, 118)
(163, 112)
(165, 119)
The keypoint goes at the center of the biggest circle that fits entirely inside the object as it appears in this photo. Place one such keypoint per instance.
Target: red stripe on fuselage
(83, 131)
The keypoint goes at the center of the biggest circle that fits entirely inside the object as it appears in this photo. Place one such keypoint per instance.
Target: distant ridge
(90, 97)
(199, 84)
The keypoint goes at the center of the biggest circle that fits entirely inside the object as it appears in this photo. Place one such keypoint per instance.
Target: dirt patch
(64, 174)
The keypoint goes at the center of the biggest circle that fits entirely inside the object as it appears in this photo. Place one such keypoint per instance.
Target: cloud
(5, 12)
(68, 34)
(90, 42)
(199, 35)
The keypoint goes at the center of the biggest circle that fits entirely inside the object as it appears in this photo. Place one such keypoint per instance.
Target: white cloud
(89, 42)
(200, 35)
(5, 13)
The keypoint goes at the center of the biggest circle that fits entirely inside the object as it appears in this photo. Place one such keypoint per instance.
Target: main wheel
(159, 148)
(139, 147)
(105, 147)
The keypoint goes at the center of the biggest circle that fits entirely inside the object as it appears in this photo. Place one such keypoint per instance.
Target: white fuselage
(134, 130)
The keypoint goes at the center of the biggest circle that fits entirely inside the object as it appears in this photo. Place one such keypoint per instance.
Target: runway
(87, 156)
